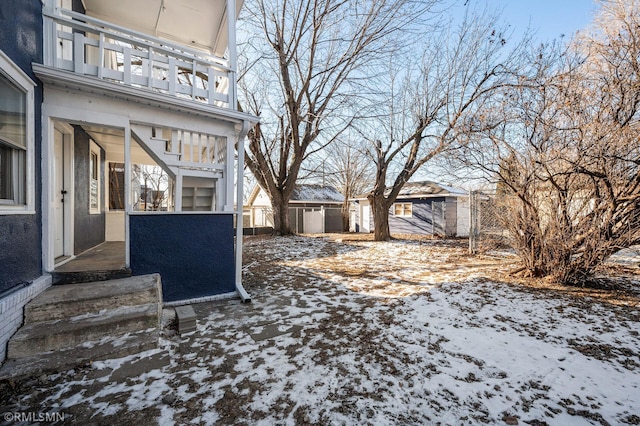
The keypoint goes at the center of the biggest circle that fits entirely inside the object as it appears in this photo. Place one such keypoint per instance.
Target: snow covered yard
(358, 332)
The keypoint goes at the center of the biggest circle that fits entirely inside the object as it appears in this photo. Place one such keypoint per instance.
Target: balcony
(93, 48)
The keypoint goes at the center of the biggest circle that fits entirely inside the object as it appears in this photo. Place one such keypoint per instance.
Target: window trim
(18, 77)
(94, 149)
(404, 207)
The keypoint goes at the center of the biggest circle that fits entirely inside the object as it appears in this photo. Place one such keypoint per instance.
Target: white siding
(463, 216)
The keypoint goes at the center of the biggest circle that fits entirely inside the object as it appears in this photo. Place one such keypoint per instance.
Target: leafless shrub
(567, 150)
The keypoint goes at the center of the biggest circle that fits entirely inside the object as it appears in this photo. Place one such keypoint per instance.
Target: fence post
(474, 232)
(433, 223)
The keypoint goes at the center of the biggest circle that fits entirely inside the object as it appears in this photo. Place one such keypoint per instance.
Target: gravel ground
(342, 330)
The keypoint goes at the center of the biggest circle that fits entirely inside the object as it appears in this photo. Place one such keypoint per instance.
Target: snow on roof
(310, 192)
(424, 189)
(427, 188)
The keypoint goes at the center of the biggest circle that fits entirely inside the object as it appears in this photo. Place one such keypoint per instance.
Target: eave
(75, 82)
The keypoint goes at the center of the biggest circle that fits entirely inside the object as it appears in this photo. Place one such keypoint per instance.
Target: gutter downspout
(246, 298)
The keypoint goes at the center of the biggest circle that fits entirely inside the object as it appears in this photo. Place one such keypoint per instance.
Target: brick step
(67, 301)
(105, 348)
(45, 336)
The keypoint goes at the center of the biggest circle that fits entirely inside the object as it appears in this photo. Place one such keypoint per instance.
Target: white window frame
(22, 81)
(405, 208)
(94, 149)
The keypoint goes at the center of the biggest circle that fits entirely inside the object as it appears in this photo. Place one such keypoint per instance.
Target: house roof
(424, 189)
(306, 193)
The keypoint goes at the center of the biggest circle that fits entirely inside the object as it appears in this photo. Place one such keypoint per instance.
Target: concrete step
(105, 348)
(67, 301)
(46, 336)
(73, 277)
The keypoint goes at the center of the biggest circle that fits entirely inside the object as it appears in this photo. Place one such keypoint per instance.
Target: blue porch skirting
(193, 253)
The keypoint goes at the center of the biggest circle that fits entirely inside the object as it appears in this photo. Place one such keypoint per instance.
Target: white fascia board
(314, 202)
(94, 85)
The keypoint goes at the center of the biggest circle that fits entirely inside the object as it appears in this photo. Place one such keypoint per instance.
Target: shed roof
(306, 193)
(317, 193)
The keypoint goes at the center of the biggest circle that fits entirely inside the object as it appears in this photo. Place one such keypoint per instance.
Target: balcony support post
(233, 56)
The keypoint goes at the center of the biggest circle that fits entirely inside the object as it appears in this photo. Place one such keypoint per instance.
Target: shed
(312, 209)
(426, 207)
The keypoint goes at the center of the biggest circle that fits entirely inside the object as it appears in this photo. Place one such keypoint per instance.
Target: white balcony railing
(91, 47)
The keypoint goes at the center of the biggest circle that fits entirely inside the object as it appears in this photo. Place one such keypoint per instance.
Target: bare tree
(155, 184)
(434, 104)
(567, 152)
(348, 169)
(306, 60)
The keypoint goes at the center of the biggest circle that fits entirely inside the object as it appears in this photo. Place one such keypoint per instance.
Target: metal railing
(91, 47)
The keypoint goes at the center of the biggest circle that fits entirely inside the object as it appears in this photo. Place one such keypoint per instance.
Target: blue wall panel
(21, 235)
(421, 220)
(193, 253)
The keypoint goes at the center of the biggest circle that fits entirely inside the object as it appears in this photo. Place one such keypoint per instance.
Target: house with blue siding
(424, 208)
(103, 102)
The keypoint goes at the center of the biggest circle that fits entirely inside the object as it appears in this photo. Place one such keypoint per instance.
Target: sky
(550, 18)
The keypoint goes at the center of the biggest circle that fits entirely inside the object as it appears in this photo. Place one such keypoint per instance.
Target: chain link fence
(487, 216)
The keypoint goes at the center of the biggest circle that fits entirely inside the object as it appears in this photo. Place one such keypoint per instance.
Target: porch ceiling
(112, 141)
(201, 24)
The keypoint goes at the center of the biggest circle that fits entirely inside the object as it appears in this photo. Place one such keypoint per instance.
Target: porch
(104, 262)
(140, 131)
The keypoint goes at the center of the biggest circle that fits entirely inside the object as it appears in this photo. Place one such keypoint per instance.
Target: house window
(94, 178)
(403, 209)
(16, 139)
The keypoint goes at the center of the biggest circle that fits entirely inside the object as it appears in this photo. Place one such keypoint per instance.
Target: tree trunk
(345, 215)
(281, 225)
(380, 218)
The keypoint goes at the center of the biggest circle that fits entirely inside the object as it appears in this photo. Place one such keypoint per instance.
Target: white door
(366, 214)
(58, 195)
(313, 222)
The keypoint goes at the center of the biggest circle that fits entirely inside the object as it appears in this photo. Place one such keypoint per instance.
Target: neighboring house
(313, 209)
(91, 89)
(420, 208)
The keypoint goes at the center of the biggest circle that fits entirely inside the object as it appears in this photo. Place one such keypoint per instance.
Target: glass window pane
(6, 189)
(13, 114)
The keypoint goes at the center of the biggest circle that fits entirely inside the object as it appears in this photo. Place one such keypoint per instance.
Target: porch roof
(201, 24)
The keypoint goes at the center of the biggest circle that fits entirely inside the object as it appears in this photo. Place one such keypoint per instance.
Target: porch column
(233, 61)
(239, 225)
(228, 175)
(128, 208)
(50, 34)
(177, 202)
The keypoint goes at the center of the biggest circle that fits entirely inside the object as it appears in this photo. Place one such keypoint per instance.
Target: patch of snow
(386, 333)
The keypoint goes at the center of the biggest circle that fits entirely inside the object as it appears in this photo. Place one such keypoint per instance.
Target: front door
(59, 194)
